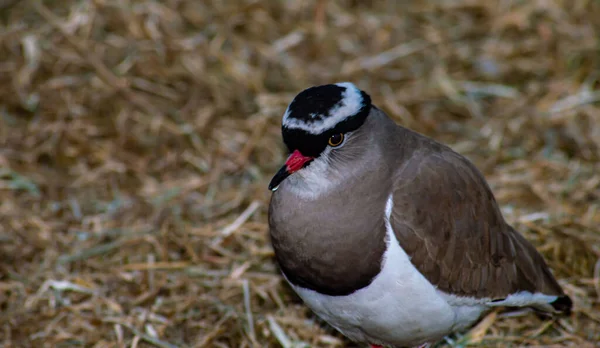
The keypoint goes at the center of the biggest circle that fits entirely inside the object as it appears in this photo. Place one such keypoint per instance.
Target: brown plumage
(447, 220)
(394, 238)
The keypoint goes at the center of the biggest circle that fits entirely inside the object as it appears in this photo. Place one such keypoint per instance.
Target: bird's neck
(332, 242)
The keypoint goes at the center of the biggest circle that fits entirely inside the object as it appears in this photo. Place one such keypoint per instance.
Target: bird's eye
(336, 140)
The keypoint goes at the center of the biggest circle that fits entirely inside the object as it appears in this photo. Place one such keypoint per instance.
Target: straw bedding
(137, 139)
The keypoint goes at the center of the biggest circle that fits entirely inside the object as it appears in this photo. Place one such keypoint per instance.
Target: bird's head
(318, 124)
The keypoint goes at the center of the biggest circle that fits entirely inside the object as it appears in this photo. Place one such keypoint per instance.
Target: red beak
(294, 163)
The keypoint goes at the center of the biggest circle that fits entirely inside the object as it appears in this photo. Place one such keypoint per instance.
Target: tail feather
(562, 305)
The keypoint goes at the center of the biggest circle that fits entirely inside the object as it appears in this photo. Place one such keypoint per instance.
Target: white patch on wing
(519, 299)
(399, 307)
(525, 298)
(351, 103)
(469, 309)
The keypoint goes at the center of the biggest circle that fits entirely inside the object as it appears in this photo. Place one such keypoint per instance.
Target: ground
(137, 140)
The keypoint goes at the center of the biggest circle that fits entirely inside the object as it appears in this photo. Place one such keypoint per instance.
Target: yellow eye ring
(336, 140)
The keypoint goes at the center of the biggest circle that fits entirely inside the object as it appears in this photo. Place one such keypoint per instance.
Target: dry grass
(137, 139)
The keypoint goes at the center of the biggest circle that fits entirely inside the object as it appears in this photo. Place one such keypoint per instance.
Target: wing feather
(447, 220)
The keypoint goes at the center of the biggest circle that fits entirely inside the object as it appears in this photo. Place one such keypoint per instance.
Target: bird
(392, 238)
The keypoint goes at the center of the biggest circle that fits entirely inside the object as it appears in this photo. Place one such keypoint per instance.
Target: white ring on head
(351, 103)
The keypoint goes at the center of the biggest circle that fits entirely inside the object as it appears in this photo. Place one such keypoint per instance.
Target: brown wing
(447, 220)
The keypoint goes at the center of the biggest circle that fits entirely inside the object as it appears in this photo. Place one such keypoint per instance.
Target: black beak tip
(274, 185)
(278, 178)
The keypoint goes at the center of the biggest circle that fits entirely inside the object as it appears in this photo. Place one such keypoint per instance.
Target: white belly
(400, 307)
